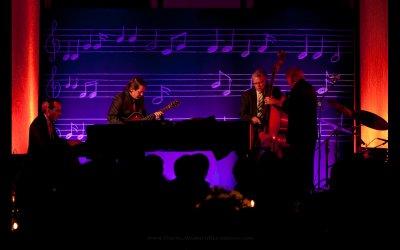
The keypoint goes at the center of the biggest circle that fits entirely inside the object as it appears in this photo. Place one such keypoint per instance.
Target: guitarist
(252, 107)
(129, 101)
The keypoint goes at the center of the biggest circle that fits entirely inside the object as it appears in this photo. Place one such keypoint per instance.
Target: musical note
(69, 83)
(318, 54)
(247, 51)
(80, 136)
(178, 47)
(217, 84)
(102, 37)
(336, 56)
(52, 44)
(76, 54)
(89, 44)
(74, 128)
(70, 134)
(53, 87)
(304, 54)
(74, 86)
(153, 44)
(214, 48)
(132, 38)
(68, 53)
(323, 90)
(268, 39)
(93, 93)
(121, 37)
(71, 56)
(228, 48)
(163, 91)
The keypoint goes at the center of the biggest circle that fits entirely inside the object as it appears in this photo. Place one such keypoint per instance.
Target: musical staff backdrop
(204, 58)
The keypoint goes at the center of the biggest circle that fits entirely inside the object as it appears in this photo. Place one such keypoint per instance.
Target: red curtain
(25, 70)
(374, 64)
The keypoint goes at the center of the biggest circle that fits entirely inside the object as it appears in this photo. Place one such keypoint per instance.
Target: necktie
(260, 105)
(50, 129)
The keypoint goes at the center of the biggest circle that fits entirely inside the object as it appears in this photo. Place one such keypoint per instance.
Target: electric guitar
(136, 116)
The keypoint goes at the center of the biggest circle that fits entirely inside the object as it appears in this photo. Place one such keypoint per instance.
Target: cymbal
(341, 108)
(371, 120)
(366, 118)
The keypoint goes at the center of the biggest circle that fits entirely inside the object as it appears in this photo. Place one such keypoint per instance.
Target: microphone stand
(332, 80)
(319, 113)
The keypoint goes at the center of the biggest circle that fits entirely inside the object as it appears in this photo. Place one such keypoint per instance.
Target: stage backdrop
(204, 58)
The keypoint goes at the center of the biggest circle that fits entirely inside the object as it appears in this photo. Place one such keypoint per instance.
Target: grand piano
(221, 137)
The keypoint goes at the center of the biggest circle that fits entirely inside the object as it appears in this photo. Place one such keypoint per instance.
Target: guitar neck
(152, 116)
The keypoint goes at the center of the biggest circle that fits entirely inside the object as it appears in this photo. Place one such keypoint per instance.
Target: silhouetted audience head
(245, 173)
(182, 167)
(153, 165)
(200, 166)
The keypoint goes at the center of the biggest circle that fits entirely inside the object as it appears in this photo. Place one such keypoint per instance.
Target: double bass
(272, 136)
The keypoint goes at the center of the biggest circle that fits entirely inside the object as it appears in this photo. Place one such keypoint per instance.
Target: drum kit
(362, 117)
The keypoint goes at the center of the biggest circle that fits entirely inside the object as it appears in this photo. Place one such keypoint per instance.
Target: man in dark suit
(301, 108)
(252, 107)
(43, 180)
(43, 138)
(128, 102)
(46, 148)
(48, 153)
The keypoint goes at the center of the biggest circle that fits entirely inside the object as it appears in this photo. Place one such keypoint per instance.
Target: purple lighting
(220, 171)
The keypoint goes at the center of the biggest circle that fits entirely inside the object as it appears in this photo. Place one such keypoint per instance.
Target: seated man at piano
(49, 155)
(129, 104)
(252, 107)
(43, 139)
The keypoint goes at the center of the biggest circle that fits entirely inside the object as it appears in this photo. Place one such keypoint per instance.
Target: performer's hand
(255, 120)
(73, 142)
(271, 101)
(158, 114)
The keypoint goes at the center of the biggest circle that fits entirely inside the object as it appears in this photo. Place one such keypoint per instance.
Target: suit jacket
(124, 105)
(301, 107)
(248, 104)
(43, 148)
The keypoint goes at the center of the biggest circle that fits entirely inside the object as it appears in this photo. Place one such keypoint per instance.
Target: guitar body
(136, 116)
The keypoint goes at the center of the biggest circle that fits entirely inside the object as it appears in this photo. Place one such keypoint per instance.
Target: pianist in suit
(129, 104)
(44, 142)
(50, 156)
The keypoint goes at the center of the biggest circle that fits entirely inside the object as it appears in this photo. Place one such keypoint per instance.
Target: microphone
(333, 78)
